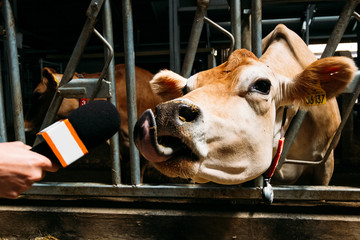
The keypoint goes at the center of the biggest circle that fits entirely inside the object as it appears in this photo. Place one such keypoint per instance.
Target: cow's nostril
(188, 113)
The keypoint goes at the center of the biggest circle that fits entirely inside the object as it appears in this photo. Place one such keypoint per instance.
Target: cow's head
(220, 124)
(41, 99)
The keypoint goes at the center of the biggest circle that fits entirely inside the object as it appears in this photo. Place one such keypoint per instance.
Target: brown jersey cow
(223, 125)
(44, 92)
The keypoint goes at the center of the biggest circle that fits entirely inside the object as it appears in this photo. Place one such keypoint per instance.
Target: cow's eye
(261, 86)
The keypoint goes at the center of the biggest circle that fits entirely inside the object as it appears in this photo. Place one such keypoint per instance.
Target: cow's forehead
(241, 76)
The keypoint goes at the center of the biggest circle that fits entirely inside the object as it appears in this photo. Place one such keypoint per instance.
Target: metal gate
(177, 191)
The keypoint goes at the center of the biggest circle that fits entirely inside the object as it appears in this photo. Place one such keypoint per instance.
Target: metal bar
(245, 26)
(320, 193)
(256, 46)
(114, 141)
(256, 27)
(130, 88)
(224, 31)
(84, 87)
(356, 16)
(305, 29)
(158, 191)
(14, 72)
(290, 135)
(198, 191)
(174, 35)
(236, 22)
(195, 34)
(339, 28)
(214, 7)
(328, 19)
(92, 12)
(3, 131)
(106, 66)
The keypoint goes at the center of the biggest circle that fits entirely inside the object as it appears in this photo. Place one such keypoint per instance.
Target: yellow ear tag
(317, 97)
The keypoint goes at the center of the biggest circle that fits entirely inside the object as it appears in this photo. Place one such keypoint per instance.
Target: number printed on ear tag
(317, 97)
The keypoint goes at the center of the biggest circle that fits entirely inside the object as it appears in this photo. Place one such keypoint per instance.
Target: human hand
(20, 168)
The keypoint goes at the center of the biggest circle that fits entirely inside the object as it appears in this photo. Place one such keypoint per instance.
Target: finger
(47, 164)
(12, 195)
(20, 144)
(27, 147)
(51, 167)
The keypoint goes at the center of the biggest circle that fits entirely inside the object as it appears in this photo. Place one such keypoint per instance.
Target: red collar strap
(276, 158)
(280, 147)
(267, 191)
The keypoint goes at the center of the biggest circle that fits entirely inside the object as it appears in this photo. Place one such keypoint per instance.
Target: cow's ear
(168, 85)
(50, 75)
(328, 76)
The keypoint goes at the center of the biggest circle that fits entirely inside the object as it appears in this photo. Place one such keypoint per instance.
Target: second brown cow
(44, 92)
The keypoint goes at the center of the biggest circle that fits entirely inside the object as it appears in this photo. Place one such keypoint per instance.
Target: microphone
(90, 125)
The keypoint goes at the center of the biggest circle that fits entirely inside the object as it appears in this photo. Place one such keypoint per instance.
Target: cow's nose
(188, 112)
(177, 112)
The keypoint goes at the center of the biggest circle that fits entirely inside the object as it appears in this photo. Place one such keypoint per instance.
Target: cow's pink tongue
(145, 137)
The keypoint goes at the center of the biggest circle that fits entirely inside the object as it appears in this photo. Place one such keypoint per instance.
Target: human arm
(20, 168)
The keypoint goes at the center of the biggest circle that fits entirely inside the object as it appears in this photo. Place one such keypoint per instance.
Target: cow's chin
(212, 170)
(183, 166)
(236, 176)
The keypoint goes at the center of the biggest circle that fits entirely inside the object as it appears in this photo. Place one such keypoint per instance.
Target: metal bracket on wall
(85, 88)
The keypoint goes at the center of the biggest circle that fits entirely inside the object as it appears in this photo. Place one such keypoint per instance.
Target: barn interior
(47, 32)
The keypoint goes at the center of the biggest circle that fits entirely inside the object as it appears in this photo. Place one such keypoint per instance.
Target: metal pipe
(14, 72)
(92, 12)
(3, 131)
(256, 47)
(339, 28)
(300, 115)
(224, 31)
(236, 22)
(114, 141)
(291, 135)
(246, 27)
(307, 30)
(356, 16)
(174, 35)
(327, 19)
(195, 191)
(130, 88)
(109, 58)
(195, 34)
(256, 27)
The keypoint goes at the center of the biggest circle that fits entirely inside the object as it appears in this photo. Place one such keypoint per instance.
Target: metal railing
(187, 191)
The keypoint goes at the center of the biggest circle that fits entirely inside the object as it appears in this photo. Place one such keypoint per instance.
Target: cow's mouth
(158, 148)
